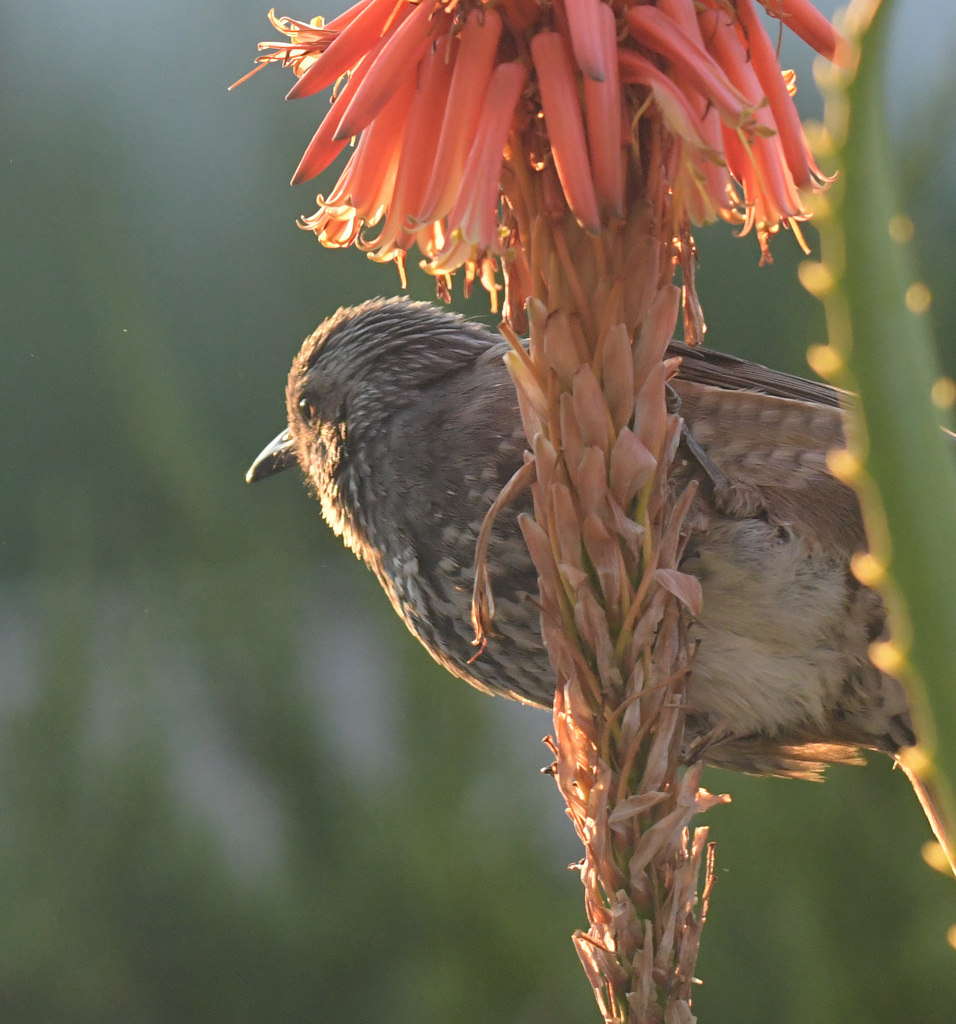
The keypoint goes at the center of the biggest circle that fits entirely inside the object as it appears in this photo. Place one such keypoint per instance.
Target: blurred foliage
(232, 787)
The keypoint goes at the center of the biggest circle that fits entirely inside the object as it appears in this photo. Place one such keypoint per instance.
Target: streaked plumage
(406, 423)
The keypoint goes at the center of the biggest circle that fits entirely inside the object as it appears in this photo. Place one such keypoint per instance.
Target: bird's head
(360, 366)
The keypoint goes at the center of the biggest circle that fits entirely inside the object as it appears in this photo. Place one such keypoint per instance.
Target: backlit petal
(562, 115)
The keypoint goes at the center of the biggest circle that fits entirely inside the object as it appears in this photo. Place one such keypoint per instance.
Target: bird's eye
(308, 410)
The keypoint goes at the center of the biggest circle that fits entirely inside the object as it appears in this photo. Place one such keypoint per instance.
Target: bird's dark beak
(278, 454)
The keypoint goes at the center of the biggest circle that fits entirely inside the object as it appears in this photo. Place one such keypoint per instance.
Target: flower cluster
(444, 102)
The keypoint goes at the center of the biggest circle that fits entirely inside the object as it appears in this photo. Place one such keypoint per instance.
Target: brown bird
(405, 421)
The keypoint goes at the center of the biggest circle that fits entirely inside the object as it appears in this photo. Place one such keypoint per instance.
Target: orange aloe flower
(420, 92)
(475, 216)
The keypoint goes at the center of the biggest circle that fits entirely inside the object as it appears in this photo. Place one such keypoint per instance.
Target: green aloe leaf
(902, 463)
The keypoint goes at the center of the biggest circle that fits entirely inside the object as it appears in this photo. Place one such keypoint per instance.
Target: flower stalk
(566, 149)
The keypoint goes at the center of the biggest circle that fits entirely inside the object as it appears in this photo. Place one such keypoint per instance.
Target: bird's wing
(768, 434)
(717, 369)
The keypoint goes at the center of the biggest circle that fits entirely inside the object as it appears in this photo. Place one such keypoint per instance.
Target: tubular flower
(591, 73)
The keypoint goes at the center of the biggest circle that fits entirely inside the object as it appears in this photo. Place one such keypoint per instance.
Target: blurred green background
(231, 787)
